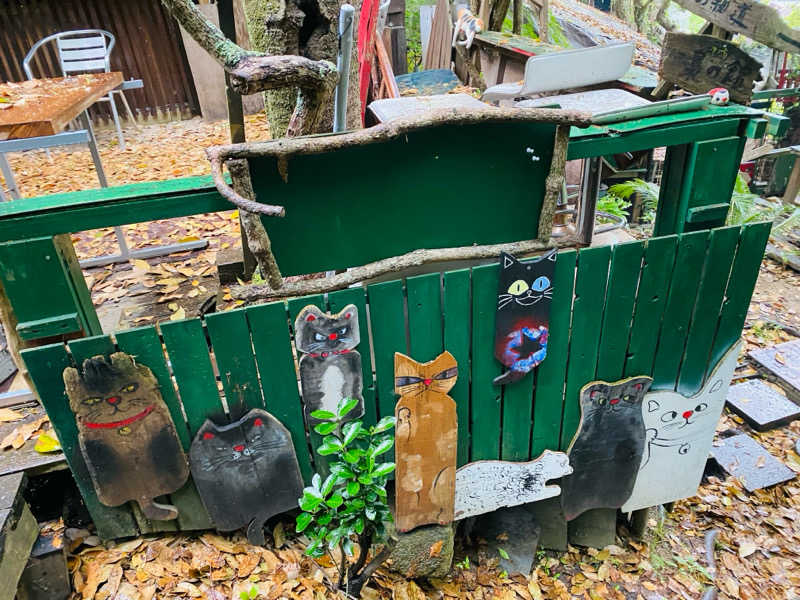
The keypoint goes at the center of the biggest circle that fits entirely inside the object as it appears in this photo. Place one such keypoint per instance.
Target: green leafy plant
(250, 594)
(351, 501)
(612, 205)
(646, 190)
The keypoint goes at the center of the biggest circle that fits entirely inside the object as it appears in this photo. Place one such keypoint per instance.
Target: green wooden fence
(667, 307)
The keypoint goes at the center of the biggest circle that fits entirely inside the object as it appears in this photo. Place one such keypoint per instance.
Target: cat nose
(112, 400)
(239, 448)
(332, 336)
(614, 401)
(427, 381)
(688, 414)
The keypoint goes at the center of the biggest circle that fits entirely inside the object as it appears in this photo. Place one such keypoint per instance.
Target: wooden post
(517, 25)
(793, 186)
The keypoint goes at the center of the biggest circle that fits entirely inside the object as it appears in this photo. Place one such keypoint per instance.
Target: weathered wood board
(330, 368)
(486, 485)
(699, 63)
(782, 363)
(679, 433)
(426, 436)
(522, 321)
(752, 19)
(744, 458)
(126, 433)
(246, 472)
(762, 407)
(18, 532)
(607, 448)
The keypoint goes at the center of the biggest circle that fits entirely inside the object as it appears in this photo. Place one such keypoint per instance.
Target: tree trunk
(623, 9)
(307, 28)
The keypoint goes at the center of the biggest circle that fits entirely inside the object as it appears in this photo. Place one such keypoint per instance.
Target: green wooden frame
(667, 307)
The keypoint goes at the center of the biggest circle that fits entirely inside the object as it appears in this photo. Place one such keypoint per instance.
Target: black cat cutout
(522, 321)
(246, 472)
(126, 433)
(606, 451)
(330, 368)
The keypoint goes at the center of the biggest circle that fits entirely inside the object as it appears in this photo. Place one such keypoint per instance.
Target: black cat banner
(524, 295)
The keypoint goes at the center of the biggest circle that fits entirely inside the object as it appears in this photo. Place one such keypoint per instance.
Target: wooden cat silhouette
(246, 472)
(679, 432)
(607, 448)
(486, 485)
(126, 434)
(522, 320)
(330, 368)
(426, 434)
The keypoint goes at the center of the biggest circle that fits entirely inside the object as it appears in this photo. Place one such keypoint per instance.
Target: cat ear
(653, 406)
(307, 315)
(507, 260)
(349, 312)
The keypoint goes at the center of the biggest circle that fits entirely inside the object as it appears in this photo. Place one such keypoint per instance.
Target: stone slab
(418, 553)
(596, 528)
(46, 576)
(553, 526)
(514, 531)
(762, 407)
(783, 363)
(743, 457)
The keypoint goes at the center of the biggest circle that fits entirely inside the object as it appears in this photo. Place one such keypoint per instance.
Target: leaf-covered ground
(758, 553)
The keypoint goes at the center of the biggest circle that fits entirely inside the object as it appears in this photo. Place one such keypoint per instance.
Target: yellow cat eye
(131, 387)
(518, 287)
(91, 401)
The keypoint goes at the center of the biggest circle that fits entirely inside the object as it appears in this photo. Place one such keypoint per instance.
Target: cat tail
(255, 532)
(509, 376)
(156, 511)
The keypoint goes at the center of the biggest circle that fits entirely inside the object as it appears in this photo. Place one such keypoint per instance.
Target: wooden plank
(548, 403)
(699, 63)
(659, 257)
(626, 263)
(357, 296)
(744, 273)
(755, 20)
(683, 293)
(721, 250)
(388, 336)
(57, 101)
(457, 324)
(425, 316)
(587, 315)
(45, 365)
(426, 441)
(270, 329)
(233, 353)
(485, 423)
(187, 349)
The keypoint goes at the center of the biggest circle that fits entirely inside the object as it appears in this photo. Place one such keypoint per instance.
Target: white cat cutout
(679, 432)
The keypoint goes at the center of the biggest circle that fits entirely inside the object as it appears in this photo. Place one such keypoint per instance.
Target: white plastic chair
(82, 51)
(566, 69)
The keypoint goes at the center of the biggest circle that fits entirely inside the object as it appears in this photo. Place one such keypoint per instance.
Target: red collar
(123, 423)
(327, 354)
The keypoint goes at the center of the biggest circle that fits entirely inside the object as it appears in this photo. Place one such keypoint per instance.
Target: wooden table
(42, 108)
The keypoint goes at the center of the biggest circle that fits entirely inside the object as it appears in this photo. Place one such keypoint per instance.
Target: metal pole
(346, 13)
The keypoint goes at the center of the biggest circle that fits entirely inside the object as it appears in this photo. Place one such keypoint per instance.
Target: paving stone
(743, 457)
(762, 407)
(783, 363)
(519, 537)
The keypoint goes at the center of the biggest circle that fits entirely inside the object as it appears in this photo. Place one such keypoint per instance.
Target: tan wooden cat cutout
(425, 440)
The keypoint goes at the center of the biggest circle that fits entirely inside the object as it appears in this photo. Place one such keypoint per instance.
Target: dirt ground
(758, 553)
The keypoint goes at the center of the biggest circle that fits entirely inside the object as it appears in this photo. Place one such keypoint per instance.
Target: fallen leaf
(436, 549)
(7, 415)
(178, 314)
(46, 443)
(746, 549)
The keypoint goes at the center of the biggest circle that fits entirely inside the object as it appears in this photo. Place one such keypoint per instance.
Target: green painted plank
(191, 364)
(548, 405)
(721, 250)
(744, 274)
(626, 264)
(487, 397)
(678, 310)
(659, 257)
(388, 336)
(517, 418)
(270, 330)
(676, 165)
(457, 325)
(587, 315)
(358, 297)
(45, 365)
(425, 316)
(230, 342)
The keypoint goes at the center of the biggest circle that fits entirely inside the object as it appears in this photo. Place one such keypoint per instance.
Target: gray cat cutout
(245, 472)
(330, 368)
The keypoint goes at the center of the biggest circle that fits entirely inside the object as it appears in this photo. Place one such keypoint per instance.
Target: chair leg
(116, 121)
(128, 108)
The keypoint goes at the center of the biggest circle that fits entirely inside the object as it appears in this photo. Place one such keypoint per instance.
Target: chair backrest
(78, 51)
(576, 68)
